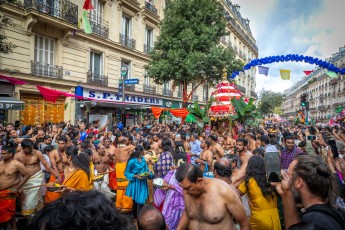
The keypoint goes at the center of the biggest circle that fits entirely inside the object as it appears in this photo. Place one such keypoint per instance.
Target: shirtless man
(13, 175)
(229, 144)
(31, 198)
(216, 149)
(252, 141)
(244, 155)
(206, 156)
(156, 145)
(109, 148)
(122, 154)
(210, 203)
(102, 161)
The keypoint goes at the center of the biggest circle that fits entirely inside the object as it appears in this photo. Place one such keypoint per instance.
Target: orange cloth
(179, 112)
(52, 196)
(7, 205)
(157, 111)
(92, 175)
(112, 178)
(78, 180)
(122, 201)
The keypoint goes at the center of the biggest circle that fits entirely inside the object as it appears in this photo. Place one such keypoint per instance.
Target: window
(149, 37)
(129, 70)
(126, 26)
(96, 14)
(96, 62)
(193, 87)
(146, 78)
(205, 93)
(166, 86)
(44, 50)
(180, 90)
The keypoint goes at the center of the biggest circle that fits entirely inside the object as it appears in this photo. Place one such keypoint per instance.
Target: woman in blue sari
(137, 187)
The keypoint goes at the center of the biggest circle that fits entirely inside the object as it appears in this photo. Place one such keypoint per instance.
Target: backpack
(337, 214)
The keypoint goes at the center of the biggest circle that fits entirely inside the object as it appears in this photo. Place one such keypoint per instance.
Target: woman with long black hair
(263, 200)
(137, 173)
(166, 159)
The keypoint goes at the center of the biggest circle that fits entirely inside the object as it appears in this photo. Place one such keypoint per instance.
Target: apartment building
(54, 51)
(323, 93)
(240, 38)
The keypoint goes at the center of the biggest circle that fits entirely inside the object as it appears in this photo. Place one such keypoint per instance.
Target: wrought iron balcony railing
(97, 79)
(149, 89)
(147, 49)
(62, 9)
(130, 87)
(241, 88)
(167, 92)
(151, 7)
(253, 94)
(46, 70)
(99, 26)
(195, 97)
(127, 41)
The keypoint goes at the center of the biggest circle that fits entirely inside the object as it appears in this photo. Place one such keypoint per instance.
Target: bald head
(151, 219)
(223, 168)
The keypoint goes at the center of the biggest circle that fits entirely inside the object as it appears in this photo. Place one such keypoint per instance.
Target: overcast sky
(306, 27)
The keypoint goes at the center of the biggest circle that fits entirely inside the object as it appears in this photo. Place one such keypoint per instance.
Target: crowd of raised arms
(170, 176)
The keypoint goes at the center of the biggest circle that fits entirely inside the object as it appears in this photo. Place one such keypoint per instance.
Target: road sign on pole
(131, 81)
(124, 71)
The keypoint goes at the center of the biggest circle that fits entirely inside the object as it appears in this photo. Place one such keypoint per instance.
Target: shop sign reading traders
(135, 99)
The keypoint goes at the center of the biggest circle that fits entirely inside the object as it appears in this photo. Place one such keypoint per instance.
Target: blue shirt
(195, 149)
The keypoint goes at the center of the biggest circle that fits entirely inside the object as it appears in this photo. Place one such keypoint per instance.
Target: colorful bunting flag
(285, 74)
(331, 74)
(263, 70)
(307, 72)
(86, 22)
(88, 5)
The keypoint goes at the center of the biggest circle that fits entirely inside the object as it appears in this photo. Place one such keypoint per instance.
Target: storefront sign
(10, 106)
(115, 97)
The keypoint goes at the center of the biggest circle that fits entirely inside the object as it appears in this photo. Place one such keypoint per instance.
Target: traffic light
(303, 102)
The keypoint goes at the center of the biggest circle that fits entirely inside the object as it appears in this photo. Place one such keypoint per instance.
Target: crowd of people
(171, 176)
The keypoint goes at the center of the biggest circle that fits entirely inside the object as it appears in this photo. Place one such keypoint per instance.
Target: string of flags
(285, 74)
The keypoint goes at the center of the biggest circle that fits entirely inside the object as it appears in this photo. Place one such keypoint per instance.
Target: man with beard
(210, 203)
(290, 152)
(309, 180)
(31, 198)
(206, 156)
(215, 148)
(244, 155)
(228, 144)
(122, 154)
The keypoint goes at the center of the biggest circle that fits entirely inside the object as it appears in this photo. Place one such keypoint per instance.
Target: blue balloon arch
(286, 58)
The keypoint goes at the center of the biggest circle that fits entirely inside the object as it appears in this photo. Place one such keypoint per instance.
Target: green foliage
(269, 102)
(246, 114)
(187, 49)
(201, 113)
(5, 22)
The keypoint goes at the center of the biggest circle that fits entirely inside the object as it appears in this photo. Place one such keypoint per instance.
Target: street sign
(131, 81)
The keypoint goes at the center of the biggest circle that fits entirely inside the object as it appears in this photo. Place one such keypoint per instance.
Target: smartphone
(311, 138)
(334, 148)
(273, 167)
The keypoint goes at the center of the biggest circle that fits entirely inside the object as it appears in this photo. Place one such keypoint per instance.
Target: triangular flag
(285, 74)
(86, 22)
(307, 72)
(263, 70)
(88, 5)
(331, 74)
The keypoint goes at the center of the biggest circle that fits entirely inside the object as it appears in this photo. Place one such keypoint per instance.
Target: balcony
(333, 81)
(130, 87)
(150, 7)
(195, 98)
(149, 89)
(147, 49)
(61, 9)
(241, 88)
(253, 94)
(97, 79)
(99, 26)
(167, 92)
(322, 107)
(223, 39)
(46, 70)
(127, 41)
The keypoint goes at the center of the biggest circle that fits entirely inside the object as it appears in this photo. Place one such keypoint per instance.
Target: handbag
(207, 173)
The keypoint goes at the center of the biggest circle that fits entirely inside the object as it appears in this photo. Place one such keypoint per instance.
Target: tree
(269, 102)
(5, 22)
(187, 49)
(246, 114)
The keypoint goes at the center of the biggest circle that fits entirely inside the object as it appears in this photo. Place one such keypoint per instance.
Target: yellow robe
(78, 180)
(92, 175)
(264, 212)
